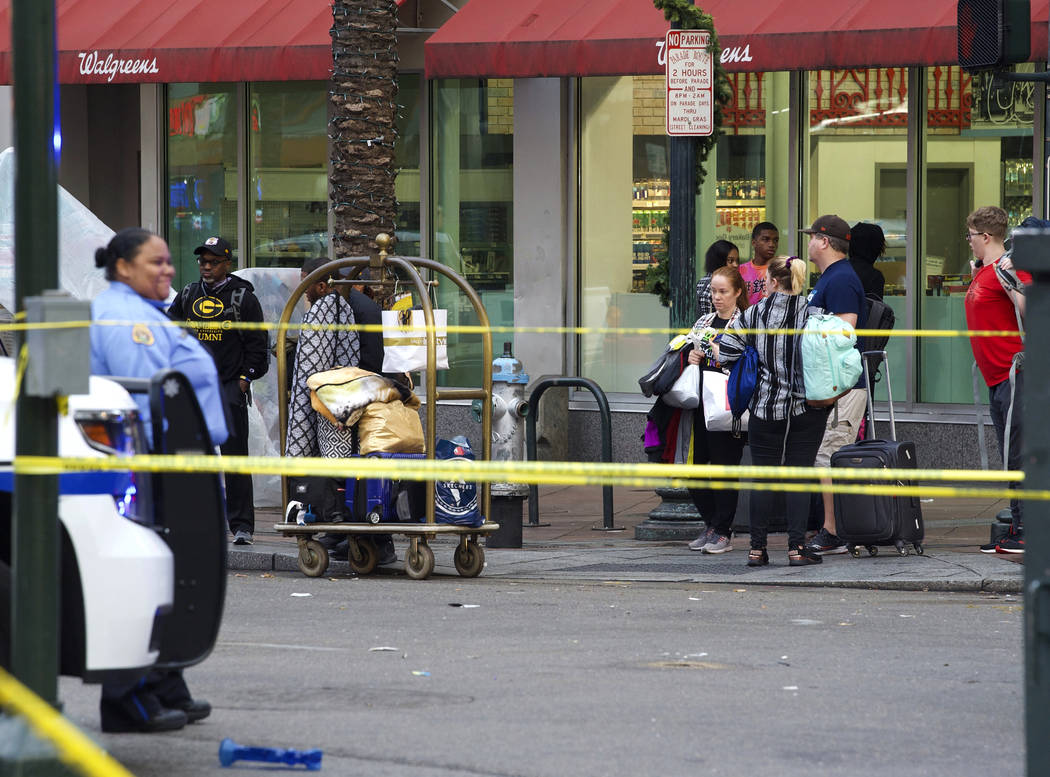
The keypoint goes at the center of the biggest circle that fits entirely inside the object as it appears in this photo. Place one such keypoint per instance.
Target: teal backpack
(831, 365)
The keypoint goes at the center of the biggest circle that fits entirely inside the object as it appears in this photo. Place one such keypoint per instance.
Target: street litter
(230, 751)
(420, 673)
(739, 590)
(805, 622)
(790, 687)
(907, 616)
(694, 598)
(465, 606)
(383, 649)
(301, 595)
(266, 574)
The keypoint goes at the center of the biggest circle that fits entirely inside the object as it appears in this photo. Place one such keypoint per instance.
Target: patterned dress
(309, 434)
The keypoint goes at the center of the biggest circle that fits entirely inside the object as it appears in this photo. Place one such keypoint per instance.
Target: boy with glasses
(993, 304)
(240, 356)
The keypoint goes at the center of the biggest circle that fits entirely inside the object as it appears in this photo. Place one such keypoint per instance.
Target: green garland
(689, 17)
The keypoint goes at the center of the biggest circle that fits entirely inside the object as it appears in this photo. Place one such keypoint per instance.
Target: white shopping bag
(405, 340)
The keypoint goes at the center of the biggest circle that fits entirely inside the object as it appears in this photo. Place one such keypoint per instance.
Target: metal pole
(35, 534)
(681, 272)
(1032, 253)
(676, 517)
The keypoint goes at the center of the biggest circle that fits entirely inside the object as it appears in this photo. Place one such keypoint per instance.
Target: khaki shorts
(850, 411)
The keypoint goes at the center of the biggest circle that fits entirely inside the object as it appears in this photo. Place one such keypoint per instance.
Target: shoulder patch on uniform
(141, 334)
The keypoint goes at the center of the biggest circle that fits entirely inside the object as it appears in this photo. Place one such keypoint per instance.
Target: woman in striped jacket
(783, 429)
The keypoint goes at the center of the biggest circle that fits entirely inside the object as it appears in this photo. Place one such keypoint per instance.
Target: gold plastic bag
(391, 427)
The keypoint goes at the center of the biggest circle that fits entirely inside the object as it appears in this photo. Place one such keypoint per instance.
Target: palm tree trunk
(363, 92)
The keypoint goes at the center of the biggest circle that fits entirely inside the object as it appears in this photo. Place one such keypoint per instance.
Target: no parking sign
(690, 83)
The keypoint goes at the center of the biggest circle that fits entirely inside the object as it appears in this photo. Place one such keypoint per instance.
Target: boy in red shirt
(994, 304)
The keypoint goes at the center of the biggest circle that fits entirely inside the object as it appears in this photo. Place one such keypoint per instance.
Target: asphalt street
(541, 678)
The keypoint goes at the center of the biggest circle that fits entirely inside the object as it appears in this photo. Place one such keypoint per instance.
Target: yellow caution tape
(641, 475)
(478, 330)
(74, 748)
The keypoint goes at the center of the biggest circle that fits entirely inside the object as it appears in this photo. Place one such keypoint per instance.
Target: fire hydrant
(509, 409)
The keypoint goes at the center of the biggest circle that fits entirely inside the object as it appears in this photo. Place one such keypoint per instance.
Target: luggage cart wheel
(363, 555)
(918, 548)
(902, 549)
(873, 550)
(469, 558)
(419, 561)
(313, 558)
(854, 550)
(374, 517)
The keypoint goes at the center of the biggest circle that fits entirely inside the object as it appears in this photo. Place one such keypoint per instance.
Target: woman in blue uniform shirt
(138, 266)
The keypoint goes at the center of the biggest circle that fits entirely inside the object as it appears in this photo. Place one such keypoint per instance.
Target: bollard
(507, 510)
(230, 751)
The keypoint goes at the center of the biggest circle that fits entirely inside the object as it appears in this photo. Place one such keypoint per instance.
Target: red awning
(498, 38)
(169, 41)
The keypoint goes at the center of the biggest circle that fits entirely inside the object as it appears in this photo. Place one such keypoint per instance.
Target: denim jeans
(766, 439)
(999, 406)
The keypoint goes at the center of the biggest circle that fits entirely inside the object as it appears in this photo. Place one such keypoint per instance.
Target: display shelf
(740, 203)
(650, 203)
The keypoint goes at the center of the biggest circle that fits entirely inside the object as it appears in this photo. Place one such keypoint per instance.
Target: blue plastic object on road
(230, 751)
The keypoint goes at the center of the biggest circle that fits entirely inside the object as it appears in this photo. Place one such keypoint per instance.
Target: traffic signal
(993, 33)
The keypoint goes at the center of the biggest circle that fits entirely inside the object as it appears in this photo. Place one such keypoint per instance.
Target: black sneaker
(825, 543)
(989, 547)
(1012, 544)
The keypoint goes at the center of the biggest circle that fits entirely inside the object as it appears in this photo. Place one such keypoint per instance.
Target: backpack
(880, 316)
(456, 501)
(831, 364)
(743, 380)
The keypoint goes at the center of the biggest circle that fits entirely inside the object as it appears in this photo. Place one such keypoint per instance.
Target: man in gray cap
(839, 291)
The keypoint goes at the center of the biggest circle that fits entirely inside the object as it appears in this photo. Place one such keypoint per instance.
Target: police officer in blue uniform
(138, 266)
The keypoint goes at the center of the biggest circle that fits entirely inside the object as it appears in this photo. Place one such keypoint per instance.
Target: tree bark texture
(362, 127)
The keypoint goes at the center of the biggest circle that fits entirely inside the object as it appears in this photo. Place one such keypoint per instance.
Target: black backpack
(880, 316)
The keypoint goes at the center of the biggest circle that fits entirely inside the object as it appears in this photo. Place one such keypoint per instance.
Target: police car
(142, 556)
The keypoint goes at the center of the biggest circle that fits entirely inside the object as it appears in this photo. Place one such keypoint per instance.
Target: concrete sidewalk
(570, 546)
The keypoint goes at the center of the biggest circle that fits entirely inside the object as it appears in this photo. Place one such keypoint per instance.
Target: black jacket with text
(237, 352)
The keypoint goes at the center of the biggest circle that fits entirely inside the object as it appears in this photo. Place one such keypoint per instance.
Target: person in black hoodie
(867, 243)
(241, 356)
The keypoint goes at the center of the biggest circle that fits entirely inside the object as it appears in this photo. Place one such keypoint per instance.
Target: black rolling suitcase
(871, 520)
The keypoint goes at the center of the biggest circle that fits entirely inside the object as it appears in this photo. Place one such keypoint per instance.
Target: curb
(261, 561)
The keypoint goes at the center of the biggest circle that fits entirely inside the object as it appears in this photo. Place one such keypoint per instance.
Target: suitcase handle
(878, 356)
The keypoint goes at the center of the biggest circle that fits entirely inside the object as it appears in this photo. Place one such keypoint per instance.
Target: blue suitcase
(375, 499)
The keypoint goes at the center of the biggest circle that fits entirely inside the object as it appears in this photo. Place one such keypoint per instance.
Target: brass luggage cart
(469, 556)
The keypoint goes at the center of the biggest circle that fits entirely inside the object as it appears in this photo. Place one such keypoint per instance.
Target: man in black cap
(241, 356)
(839, 291)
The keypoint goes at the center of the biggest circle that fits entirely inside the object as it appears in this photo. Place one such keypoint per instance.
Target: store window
(202, 176)
(624, 203)
(752, 186)
(408, 185)
(288, 181)
(471, 219)
(979, 152)
(857, 168)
